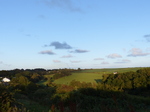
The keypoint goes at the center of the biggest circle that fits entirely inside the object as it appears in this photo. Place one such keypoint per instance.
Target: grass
(82, 77)
(111, 70)
(88, 75)
(91, 75)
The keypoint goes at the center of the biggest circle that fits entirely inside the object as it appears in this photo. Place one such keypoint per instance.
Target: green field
(82, 77)
(111, 70)
(91, 75)
(88, 75)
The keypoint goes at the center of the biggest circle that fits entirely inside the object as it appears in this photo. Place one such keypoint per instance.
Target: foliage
(131, 81)
(7, 101)
(62, 73)
(122, 92)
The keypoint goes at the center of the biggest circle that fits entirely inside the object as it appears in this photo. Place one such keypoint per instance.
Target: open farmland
(111, 70)
(82, 77)
(91, 75)
(87, 75)
(117, 91)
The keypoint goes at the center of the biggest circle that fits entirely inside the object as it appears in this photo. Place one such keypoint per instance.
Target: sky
(54, 34)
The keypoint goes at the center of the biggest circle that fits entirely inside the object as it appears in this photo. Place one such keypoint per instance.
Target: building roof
(6, 80)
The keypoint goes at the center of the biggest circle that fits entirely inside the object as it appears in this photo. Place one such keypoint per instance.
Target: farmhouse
(115, 72)
(5, 80)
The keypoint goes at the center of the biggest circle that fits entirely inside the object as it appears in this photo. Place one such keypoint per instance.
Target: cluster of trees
(62, 73)
(129, 81)
(122, 92)
(22, 82)
(12, 73)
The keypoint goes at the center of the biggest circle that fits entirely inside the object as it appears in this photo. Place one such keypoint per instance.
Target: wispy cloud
(104, 62)
(137, 52)
(59, 45)
(75, 61)
(49, 52)
(114, 55)
(147, 37)
(79, 51)
(28, 35)
(123, 61)
(99, 59)
(56, 61)
(62, 4)
(2, 63)
(41, 16)
(148, 49)
(67, 56)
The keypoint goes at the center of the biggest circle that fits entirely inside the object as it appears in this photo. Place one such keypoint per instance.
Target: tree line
(122, 92)
(129, 81)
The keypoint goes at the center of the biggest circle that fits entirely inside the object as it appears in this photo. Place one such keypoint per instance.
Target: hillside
(69, 90)
(91, 75)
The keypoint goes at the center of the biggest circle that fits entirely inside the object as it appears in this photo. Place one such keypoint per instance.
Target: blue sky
(74, 33)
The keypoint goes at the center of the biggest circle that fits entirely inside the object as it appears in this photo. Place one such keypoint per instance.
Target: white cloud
(104, 62)
(49, 52)
(137, 52)
(75, 61)
(126, 60)
(42, 16)
(4, 64)
(114, 55)
(147, 37)
(63, 4)
(59, 45)
(79, 51)
(123, 61)
(67, 56)
(56, 61)
(99, 59)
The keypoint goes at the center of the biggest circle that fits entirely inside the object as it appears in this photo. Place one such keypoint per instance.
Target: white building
(5, 80)
(115, 72)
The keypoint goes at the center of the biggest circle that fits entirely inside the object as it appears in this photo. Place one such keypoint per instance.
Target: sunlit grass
(91, 75)
(82, 77)
(87, 75)
(111, 70)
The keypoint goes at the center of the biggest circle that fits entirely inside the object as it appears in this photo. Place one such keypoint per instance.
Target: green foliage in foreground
(122, 92)
(33, 106)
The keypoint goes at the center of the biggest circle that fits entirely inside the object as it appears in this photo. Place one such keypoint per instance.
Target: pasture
(82, 77)
(111, 70)
(91, 75)
(88, 75)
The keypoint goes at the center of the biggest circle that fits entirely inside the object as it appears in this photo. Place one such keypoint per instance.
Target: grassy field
(91, 75)
(82, 77)
(111, 70)
(88, 75)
